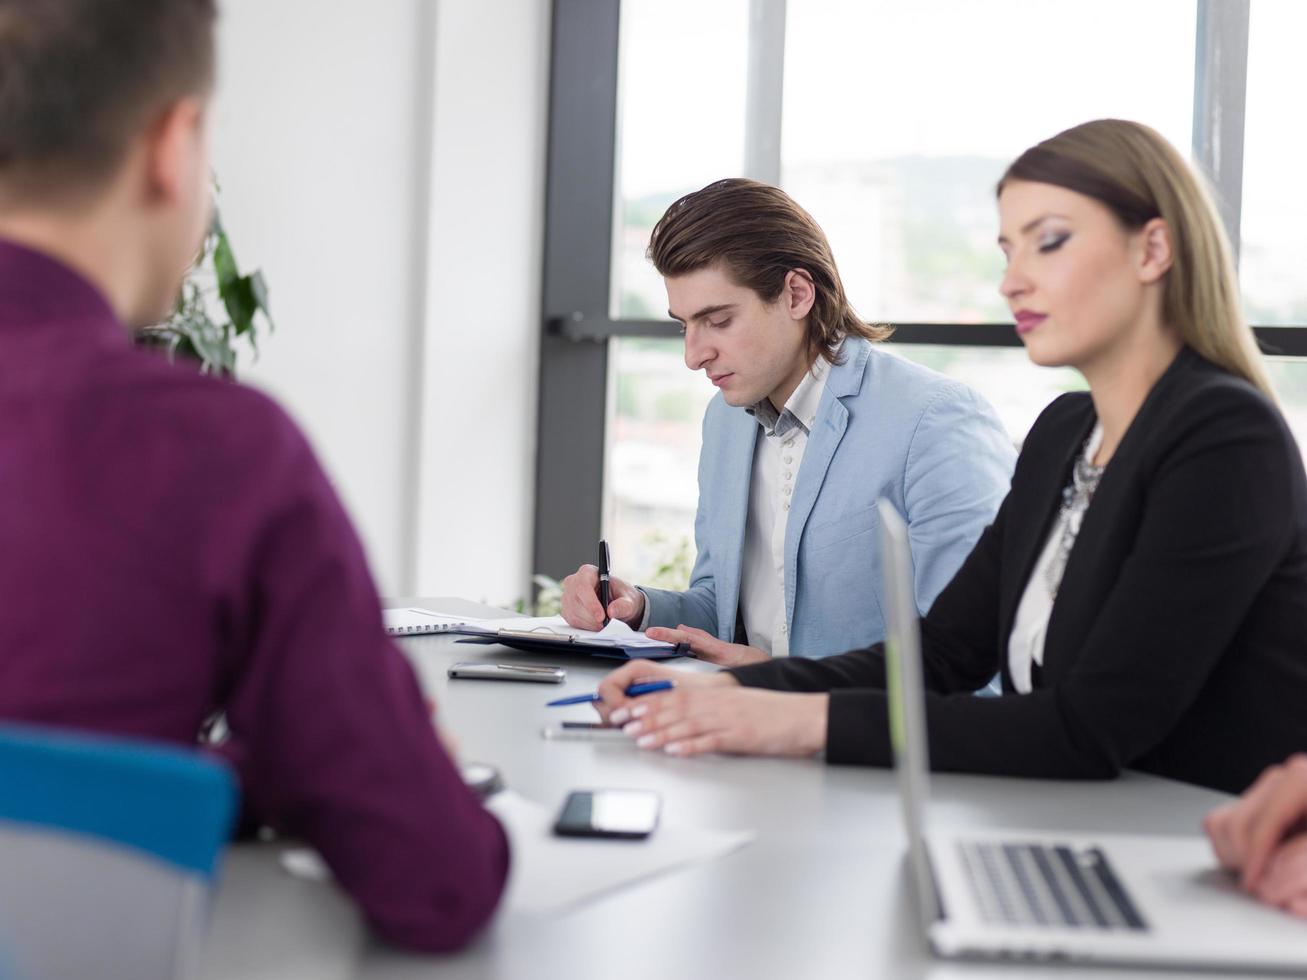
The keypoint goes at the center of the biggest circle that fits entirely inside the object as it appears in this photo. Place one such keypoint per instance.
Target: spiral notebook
(411, 621)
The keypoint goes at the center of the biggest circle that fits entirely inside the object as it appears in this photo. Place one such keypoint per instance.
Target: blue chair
(108, 848)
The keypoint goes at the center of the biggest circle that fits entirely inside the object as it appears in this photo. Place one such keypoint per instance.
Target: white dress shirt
(777, 456)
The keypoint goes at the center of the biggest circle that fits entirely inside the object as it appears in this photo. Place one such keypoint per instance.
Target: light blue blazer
(885, 428)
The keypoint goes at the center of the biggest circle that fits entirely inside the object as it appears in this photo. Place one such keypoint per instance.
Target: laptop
(986, 893)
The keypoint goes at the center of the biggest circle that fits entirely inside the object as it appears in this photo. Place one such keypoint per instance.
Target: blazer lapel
(827, 431)
(727, 534)
(1082, 577)
(832, 421)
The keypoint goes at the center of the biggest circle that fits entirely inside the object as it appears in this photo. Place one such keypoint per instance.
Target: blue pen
(634, 691)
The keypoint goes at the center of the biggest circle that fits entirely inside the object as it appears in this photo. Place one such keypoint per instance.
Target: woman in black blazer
(1143, 588)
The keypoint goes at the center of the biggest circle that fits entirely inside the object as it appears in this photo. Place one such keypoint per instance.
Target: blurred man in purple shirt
(169, 546)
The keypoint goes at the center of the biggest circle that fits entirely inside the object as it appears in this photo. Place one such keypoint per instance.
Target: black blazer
(1178, 641)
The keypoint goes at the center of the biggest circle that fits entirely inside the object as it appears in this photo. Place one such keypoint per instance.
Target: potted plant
(191, 331)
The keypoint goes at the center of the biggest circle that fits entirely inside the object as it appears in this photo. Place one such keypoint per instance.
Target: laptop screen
(907, 702)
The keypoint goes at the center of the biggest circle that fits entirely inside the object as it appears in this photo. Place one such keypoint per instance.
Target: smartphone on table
(584, 731)
(624, 814)
(476, 670)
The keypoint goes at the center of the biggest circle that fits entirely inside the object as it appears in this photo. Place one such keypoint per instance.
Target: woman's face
(1073, 278)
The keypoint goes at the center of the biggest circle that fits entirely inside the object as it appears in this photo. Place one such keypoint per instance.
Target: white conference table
(821, 892)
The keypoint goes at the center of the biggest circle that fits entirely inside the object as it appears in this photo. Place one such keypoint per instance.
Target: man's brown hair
(78, 78)
(759, 235)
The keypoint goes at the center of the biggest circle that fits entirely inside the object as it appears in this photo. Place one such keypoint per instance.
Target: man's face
(749, 349)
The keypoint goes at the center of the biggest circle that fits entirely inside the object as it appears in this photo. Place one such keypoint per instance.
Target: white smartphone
(570, 731)
(508, 672)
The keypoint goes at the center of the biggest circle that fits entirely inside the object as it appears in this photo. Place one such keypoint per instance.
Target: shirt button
(785, 506)
(789, 458)
(786, 490)
(789, 475)
(788, 442)
(784, 630)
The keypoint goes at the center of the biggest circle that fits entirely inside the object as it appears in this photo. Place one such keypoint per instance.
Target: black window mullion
(577, 260)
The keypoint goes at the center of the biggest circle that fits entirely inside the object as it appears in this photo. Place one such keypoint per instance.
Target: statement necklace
(1076, 497)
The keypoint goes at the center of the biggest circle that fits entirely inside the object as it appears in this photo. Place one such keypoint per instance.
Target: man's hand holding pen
(581, 605)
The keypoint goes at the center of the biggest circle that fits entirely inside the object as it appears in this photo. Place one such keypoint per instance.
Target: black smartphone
(626, 814)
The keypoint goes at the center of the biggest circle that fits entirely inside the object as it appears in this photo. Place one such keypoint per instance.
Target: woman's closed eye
(1051, 243)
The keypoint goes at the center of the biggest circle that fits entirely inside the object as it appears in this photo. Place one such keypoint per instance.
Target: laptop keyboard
(1035, 885)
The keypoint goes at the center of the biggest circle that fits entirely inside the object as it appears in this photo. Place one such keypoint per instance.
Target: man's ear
(173, 149)
(1155, 256)
(799, 293)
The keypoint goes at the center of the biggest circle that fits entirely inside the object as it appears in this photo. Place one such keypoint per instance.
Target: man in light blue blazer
(813, 422)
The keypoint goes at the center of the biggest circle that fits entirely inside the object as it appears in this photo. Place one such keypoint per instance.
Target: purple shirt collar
(40, 292)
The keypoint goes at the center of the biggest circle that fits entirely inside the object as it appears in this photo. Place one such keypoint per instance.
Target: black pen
(603, 578)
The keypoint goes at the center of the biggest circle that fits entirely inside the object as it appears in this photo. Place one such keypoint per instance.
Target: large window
(680, 124)
(896, 157)
(656, 407)
(1274, 226)
(891, 122)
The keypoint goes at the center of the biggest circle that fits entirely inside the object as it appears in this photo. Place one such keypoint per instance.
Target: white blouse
(1026, 644)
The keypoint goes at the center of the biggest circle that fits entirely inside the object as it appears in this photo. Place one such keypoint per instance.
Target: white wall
(487, 219)
(323, 147)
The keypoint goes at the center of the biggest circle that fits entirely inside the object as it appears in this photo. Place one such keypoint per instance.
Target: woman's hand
(1284, 882)
(707, 647)
(612, 689)
(691, 720)
(1265, 827)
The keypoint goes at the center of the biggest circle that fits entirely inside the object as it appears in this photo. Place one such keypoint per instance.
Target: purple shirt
(169, 547)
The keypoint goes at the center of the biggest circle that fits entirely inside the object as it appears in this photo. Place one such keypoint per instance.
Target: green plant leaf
(259, 289)
(239, 299)
(224, 262)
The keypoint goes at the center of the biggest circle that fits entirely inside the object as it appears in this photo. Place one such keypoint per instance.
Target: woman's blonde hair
(1138, 175)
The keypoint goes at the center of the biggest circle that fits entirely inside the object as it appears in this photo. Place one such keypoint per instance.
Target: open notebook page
(616, 632)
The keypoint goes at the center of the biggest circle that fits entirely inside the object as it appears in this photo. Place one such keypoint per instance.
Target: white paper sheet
(616, 632)
(551, 873)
